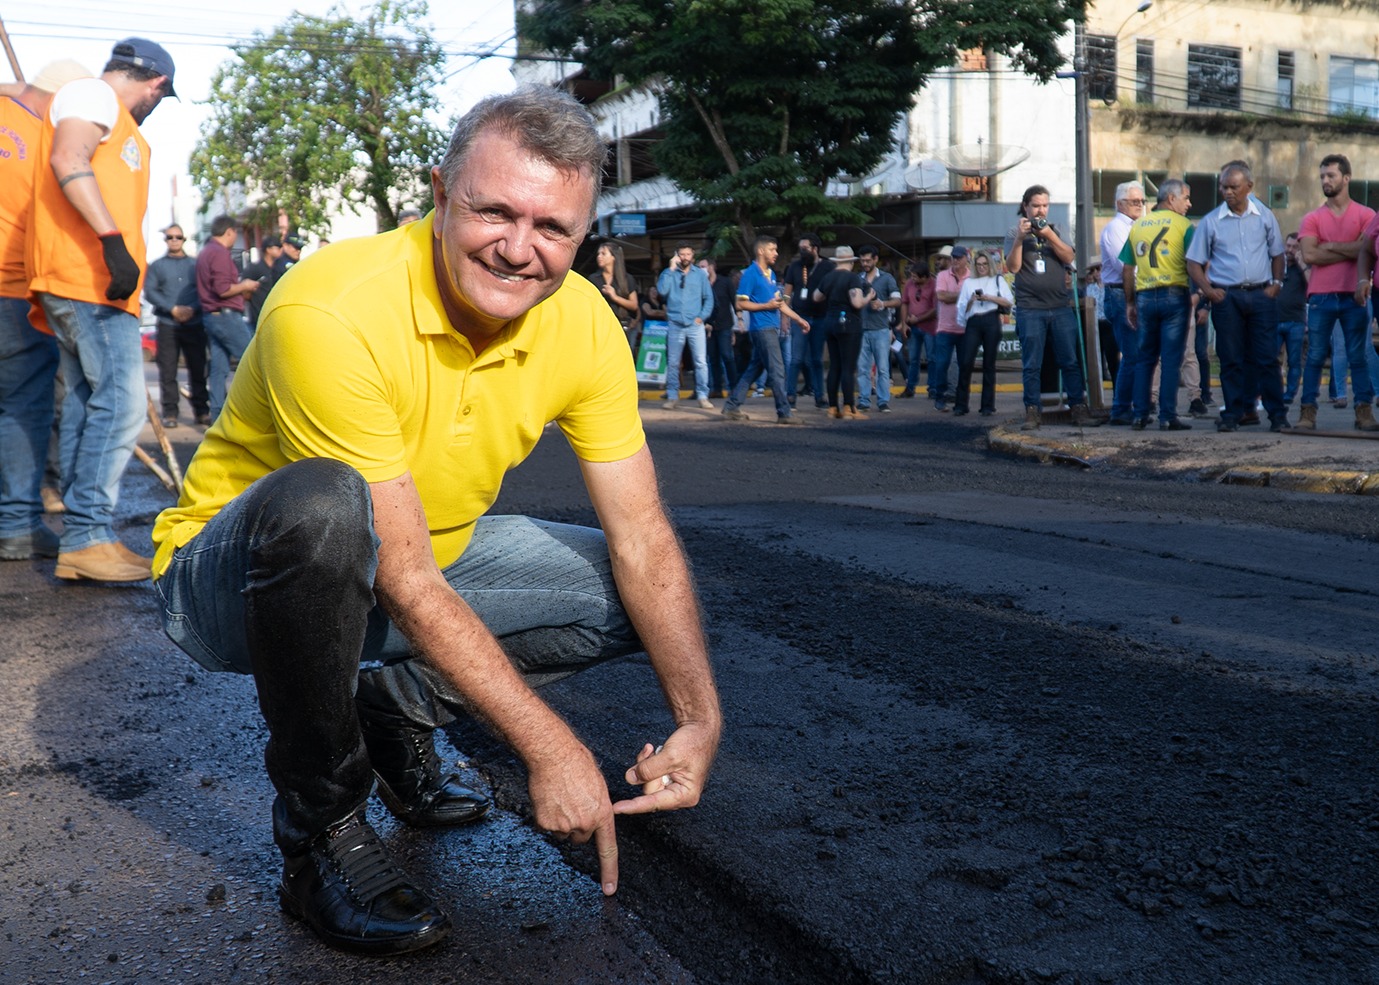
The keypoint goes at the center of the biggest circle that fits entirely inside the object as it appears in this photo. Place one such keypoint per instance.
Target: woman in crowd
(984, 297)
(845, 293)
(618, 288)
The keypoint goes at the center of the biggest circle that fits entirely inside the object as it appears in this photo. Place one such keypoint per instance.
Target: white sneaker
(706, 403)
(671, 404)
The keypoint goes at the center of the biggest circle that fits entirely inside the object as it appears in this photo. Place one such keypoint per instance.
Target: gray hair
(1240, 168)
(1171, 187)
(1124, 189)
(546, 122)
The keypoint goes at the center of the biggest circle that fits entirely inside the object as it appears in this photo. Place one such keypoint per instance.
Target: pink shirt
(1322, 223)
(918, 298)
(948, 313)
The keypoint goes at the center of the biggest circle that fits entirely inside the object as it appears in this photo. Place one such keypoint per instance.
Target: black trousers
(983, 332)
(188, 341)
(843, 350)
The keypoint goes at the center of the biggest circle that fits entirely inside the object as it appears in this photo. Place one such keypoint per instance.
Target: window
(1213, 77)
(1144, 71)
(1101, 67)
(1285, 80)
(1354, 86)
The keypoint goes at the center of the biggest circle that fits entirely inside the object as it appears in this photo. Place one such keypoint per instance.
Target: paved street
(988, 721)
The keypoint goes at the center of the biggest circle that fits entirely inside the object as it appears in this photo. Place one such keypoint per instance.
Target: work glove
(124, 272)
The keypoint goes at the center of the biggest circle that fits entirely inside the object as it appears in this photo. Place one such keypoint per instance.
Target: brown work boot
(1082, 416)
(1307, 420)
(1364, 418)
(103, 562)
(1033, 418)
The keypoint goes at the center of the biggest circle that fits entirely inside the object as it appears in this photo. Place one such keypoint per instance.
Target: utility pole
(1088, 251)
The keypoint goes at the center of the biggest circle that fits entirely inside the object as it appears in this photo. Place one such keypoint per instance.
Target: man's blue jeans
(280, 585)
(106, 403)
(916, 344)
(766, 355)
(1247, 345)
(1163, 315)
(677, 335)
(1290, 336)
(722, 359)
(28, 364)
(1324, 310)
(228, 334)
(804, 355)
(1128, 341)
(943, 350)
(1037, 324)
(875, 354)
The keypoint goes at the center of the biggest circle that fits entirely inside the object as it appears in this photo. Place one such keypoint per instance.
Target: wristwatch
(1275, 282)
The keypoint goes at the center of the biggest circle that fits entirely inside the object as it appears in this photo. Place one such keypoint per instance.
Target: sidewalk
(1334, 459)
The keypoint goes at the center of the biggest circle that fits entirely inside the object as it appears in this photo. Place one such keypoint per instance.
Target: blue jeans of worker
(1163, 314)
(916, 345)
(1037, 324)
(722, 359)
(1323, 311)
(1247, 344)
(106, 403)
(946, 346)
(1290, 336)
(803, 357)
(228, 335)
(1128, 341)
(279, 584)
(28, 364)
(875, 354)
(766, 355)
(813, 355)
(677, 336)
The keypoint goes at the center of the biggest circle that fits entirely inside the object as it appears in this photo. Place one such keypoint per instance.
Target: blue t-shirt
(759, 288)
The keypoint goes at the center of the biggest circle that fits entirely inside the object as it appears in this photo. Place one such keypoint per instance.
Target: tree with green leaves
(764, 102)
(326, 109)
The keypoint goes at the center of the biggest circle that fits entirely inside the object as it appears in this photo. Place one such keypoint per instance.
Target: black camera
(1039, 222)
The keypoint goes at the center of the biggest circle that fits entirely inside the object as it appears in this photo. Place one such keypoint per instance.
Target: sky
(477, 37)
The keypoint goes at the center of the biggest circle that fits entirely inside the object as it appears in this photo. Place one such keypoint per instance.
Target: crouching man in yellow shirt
(331, 539)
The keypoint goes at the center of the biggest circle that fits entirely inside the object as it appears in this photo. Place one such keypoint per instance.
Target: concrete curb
(1023, 444)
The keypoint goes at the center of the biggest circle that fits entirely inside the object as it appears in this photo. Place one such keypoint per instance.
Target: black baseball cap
(148, 55)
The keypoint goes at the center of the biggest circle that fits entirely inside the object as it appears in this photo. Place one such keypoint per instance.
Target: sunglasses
(171, 238)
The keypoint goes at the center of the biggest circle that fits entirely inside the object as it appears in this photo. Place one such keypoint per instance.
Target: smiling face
(506, 233)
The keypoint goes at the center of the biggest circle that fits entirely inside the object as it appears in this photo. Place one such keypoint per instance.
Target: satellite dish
(981, 159)
(927, 175)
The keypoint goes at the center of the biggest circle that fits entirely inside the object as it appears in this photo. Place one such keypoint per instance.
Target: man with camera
(1037, 256)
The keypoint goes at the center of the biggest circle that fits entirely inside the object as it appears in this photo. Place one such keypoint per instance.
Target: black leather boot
(347, 888)
(409, 781)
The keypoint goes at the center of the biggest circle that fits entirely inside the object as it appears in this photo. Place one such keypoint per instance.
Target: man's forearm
(452, 638)
(658, 594)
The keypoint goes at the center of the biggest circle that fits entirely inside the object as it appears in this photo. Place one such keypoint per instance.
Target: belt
(1114, 287)
(1254, 286)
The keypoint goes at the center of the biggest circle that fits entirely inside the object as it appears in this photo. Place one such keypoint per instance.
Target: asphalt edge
(1031, 444)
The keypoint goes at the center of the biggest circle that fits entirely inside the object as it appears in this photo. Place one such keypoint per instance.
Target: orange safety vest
(64, 253)
(19, 135)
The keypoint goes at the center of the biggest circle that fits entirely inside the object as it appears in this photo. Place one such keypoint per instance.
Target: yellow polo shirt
(354, 360)
(1157, 246)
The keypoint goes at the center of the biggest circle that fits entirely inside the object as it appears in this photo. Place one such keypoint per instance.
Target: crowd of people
(1306, 294)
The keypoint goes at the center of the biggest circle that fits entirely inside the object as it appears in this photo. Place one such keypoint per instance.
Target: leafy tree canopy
(763, 102)
(326, 108)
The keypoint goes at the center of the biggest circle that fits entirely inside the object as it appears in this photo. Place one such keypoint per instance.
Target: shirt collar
(1224, 211)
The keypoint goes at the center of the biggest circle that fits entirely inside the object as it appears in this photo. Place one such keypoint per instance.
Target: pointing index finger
(606, 843)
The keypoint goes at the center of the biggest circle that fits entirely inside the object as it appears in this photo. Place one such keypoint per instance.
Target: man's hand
(1362, 293)
(674, 775)
(182, 313)
(1132, 318)
(124, 272)
(570, 800)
